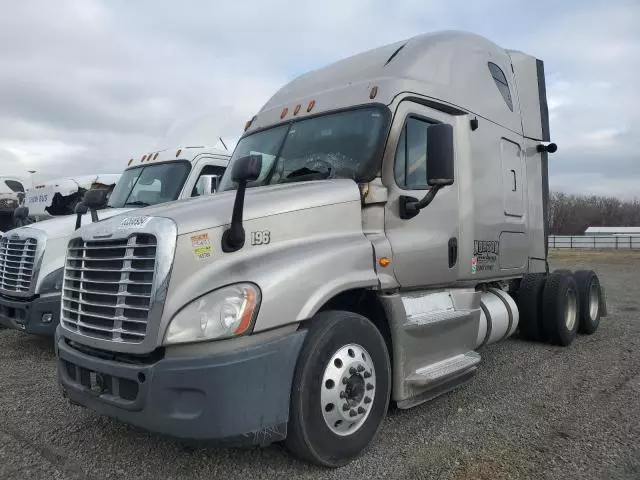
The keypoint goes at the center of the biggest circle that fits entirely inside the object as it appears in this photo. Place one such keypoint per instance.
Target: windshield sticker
(201, 246)
(133, 222)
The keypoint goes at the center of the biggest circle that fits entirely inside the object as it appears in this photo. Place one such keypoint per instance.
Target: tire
(590, 301)
(560, 309)
(309, 434)
(563, 271)
(529, 301)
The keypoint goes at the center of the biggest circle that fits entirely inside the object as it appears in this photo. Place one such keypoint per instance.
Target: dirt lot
(533, 411)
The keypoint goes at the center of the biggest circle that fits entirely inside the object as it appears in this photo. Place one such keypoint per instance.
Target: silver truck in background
(382, 220)
(32, 256)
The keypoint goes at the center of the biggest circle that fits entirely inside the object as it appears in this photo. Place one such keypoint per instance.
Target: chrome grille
(108, 287)
(17, 263)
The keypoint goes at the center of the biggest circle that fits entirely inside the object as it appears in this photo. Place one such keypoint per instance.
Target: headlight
(227, 312)
(52, 283)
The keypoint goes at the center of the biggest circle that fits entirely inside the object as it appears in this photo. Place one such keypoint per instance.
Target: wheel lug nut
(345, 407)
(342, 394)
(369, 386)
(352, 413)
(367, 374)
(352, 371)
(344, 381)
(360, 368)
(361, 410)
(367, 399)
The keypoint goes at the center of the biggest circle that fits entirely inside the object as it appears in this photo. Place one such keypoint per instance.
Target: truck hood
(64, 226)
(212, 211)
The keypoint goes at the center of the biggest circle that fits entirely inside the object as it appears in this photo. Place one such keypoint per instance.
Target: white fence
(609, 242)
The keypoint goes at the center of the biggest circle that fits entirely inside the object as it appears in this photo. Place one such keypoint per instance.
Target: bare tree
(572, 214)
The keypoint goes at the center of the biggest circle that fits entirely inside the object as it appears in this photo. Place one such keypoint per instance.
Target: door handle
(453, 252)
(514, 180)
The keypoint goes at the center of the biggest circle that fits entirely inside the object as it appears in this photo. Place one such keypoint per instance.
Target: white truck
(382, 219)
(61, 195)
(12, 195)
(32, 257)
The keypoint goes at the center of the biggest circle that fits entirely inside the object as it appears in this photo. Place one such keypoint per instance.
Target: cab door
(425, 247)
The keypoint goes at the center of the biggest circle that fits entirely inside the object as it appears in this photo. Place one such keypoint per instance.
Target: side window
(502, 84)
(206, 170)
(410, 168)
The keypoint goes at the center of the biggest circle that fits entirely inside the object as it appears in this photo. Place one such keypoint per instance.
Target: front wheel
(341, 389)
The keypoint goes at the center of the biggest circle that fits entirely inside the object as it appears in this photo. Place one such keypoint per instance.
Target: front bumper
(238, 397)
(27, 315)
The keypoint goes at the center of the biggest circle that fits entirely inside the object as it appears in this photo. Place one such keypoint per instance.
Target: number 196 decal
(261, 237)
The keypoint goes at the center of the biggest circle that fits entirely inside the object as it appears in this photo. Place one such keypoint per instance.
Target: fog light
(47, 317)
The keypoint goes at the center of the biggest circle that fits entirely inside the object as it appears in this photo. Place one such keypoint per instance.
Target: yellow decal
(201, 246)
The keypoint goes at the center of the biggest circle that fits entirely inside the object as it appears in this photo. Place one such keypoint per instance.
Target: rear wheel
(341, 389)
(560, 308)
(529, 300)
(590, 300)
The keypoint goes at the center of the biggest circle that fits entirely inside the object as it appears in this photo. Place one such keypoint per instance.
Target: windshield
(338, 145)
(149, 184)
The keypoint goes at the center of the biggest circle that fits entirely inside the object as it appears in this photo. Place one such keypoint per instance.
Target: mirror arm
(233, 238)
(94, 214)
(410, 207)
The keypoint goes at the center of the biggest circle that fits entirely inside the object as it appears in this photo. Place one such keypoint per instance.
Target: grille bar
(17, 262)
(107, 288)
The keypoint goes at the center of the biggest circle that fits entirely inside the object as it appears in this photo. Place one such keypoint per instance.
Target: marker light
(384, 262)
(143, 158)
(178, 152)
(295, 112)
(283, 113)
(130, 162)
(156, 155)
(312, 104)
(373, 92)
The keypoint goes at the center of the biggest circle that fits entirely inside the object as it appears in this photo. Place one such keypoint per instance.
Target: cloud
(86, 84)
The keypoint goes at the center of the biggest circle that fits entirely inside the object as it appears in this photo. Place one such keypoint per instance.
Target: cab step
(444, 370)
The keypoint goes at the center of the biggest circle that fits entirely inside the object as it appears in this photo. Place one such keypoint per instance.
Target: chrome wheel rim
(594, 301)
(571, 309)
(348, 389)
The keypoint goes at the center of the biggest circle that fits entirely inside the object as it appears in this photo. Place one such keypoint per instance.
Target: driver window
(410, 168)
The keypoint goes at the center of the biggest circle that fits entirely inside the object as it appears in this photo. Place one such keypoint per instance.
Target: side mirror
(20, 213)
(245, 169)
(80, 210)
(207, 184)
(440, 155)
(440, 168)
(94, 199)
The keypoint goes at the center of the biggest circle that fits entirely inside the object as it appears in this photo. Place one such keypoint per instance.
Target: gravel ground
(533, 411)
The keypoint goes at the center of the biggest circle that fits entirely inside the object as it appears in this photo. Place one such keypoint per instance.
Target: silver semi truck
(382, 219)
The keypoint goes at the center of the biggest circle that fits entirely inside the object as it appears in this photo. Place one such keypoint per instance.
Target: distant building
(618, 231)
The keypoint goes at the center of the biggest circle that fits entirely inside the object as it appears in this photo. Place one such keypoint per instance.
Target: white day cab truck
(12, 194)
(381, 220)
(32, 257)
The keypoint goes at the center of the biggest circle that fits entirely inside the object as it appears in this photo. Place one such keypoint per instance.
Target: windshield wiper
(137, 203)
(306, 173)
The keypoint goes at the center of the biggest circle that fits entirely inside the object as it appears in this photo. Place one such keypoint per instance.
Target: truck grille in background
(17, 259)
(108, 287)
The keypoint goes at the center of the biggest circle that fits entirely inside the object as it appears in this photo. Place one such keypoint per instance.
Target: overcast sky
(87, 84)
